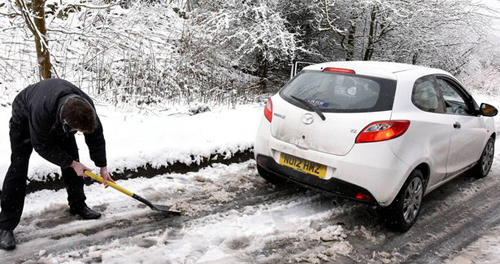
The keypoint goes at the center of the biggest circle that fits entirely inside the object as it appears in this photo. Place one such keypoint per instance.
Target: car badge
(308, 119)
(280, 116)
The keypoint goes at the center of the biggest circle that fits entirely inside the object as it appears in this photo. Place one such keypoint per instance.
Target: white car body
(433, 141)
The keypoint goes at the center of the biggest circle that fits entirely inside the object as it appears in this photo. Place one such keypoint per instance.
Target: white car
(379, 133)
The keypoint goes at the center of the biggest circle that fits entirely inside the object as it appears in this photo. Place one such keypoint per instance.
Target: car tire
(404, 210)
(483, 166)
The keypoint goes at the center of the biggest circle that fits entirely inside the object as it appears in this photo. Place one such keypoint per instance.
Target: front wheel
(403, 211)
(483, 166)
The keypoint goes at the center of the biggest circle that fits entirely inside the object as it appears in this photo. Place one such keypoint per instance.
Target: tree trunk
(371, 35)
(42, 44)
(39, 30)
(351, 42)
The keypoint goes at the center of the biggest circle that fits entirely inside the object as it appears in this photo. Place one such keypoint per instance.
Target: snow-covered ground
(233, 235)
(486, 250)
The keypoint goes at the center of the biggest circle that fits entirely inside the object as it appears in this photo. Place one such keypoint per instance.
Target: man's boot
(84, 211)
(7, 240)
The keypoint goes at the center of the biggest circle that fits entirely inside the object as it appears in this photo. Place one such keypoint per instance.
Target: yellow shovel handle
(110, 183)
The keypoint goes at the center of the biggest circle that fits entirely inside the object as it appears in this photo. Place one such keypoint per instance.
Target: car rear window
(337, 92)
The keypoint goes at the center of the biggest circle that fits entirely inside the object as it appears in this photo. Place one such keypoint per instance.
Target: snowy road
(233, 216)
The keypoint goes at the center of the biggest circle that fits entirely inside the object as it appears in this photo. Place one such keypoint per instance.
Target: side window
(425, 96)
(454, 102)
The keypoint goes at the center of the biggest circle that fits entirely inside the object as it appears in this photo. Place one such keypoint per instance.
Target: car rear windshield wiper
(310, 106)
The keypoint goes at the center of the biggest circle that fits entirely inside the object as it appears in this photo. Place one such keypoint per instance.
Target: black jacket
(40, 105)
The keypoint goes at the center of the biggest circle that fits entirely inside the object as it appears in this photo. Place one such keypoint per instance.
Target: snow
(486, 250)
(495, 24)
(233, 236)
(160, 138)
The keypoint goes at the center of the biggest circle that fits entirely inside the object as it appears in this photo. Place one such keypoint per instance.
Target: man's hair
(79, 115)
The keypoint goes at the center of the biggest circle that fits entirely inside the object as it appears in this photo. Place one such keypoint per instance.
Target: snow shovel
(156, 207)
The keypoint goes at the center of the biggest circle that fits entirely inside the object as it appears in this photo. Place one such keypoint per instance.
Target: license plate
(303, 165)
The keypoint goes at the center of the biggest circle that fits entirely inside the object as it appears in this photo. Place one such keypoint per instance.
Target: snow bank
(157, 138)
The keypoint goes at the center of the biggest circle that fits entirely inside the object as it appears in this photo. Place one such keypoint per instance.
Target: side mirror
(488, 110)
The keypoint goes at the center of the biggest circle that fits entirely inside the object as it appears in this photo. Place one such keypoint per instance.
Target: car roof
(382, 69)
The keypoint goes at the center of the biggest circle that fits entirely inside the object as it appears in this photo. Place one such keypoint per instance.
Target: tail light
(363, 197)
(382, 130)
(268, 110)
(338, 70)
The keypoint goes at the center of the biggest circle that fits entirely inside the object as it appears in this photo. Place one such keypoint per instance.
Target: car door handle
(457, 125)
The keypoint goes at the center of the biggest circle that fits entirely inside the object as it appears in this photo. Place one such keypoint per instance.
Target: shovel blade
(165, 209)
(157, 207)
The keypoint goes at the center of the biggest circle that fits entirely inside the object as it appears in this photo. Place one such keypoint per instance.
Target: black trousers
(14, 185)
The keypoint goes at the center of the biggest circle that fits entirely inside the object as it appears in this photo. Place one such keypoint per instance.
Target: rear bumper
(333, 185)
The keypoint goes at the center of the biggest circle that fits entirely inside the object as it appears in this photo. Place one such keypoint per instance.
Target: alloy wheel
(487, 159)
(412, 199)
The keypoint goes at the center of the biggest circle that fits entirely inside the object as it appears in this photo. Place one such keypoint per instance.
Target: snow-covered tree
(249, 35)
(438, 33)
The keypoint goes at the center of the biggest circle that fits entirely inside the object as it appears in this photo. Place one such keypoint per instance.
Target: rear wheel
(483, 166)
(404, 210)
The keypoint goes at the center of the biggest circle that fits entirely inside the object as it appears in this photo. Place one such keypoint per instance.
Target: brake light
(382, 130)
(268, 110)
(363, 197)
(338, 70)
